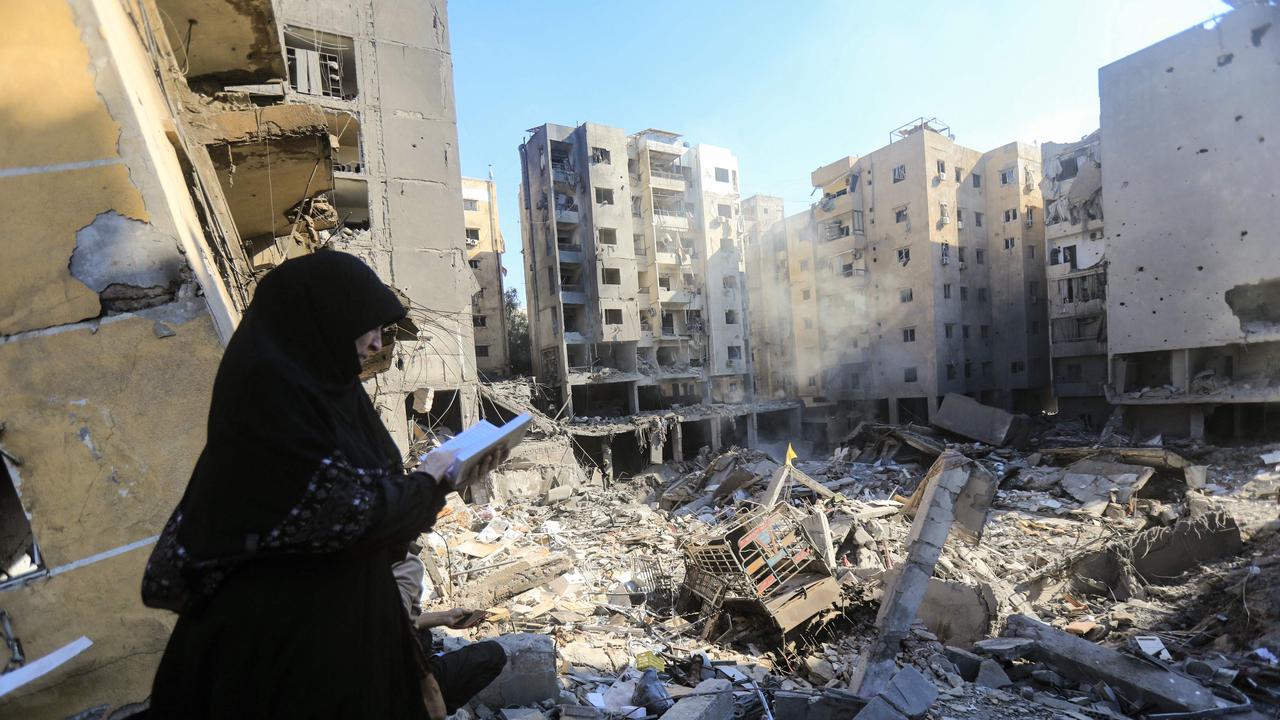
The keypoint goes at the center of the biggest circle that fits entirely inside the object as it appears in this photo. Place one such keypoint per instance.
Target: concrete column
(715, 434)
(1180, 369)
(933, 406)
(893, 410)
(1197, 422)
(753, 431)
(633, 398)
(606, 450)
(676, 438)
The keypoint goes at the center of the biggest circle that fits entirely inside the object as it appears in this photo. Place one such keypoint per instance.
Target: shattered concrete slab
(965, 416)
(1095, 483)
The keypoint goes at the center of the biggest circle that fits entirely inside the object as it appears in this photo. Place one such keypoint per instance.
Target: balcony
(572, 295)
(570, 253)
(671, 219)
(666, 258)
(666, 180)
(567, 214)
(676, 297)
(565, 179)
(665, 148)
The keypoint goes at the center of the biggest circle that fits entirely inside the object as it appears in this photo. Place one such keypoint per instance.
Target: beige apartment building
(1075, 254)
(635, 279)
(176, 152)
(768, 291)
(1189, 128)
(919, 272)
(484, 254)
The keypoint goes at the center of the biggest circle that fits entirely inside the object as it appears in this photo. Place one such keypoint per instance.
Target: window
(905, 295)
(808, 323)
(813, 381)
(320, 63)
(946, 252)
(473, 236)
(968, 369)
(900, 173)
(946, 291)
(612, 316)
(730, 317)
(908, 374)
(470, 204)
(908, 334)
(1008, 176)
(730, 281)
(804, 265)
(984, 331)
(479, 321)
(948, 330)
(982, 294)
(904, 255)
(1017, 366)
(900, 215)
(1011, 214)
(1035, 327)
(964, 332)
(475, 264)
(724, 211)
(959, 174)
(1009, 243)
(964, 293)
(722, 175)
(977, 182)
(604, 196)
(980, 256)
(942, 168)
(1030, 214)
(1033, 290)
(608, 236)
(960, 253)
(855, 380)
(1031, 252)
(1074, 372)
(551, 279)
(951, 371)
(612, 276)
(804, 295)
(735, 352)
(987, 369)
(600, 155)
(977, 219)
(857, 221)
(482, 351)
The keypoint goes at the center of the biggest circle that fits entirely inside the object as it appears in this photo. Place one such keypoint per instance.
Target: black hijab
(286, 399)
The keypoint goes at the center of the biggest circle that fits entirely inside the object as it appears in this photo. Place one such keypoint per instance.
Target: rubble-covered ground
(752, 590)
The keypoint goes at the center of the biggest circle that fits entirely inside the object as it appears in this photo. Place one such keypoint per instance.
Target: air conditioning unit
(946, 219)
(946, 259)
(962, 266)
(1030, 221)
(959, 224)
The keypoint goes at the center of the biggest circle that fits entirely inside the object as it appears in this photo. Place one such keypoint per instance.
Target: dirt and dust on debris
(994, 566)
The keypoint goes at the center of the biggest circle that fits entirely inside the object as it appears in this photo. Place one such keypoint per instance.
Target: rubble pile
(914, 572)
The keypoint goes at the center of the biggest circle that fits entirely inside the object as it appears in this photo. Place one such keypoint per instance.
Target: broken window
(908, 334)
(980, 256)
(722, 174)
(482, 351)
(857, 221)
(968, 369)
(1035, 327)
(612, 276)
(813, 381)
(959, 174)
(905, 295)
(470, 205)
(946, 291)
(900, 215)
(724, 211)
(735, 352)
(900, 173)
(977, 182)
(730, 317)
(551, 279)
(948, 330)
(19, 555)
(987, 369)
(960, 251)
(1011, 214)
(977, 219)
(1017, 366)
(1075, 372)
(601, 155)
(1033, 290)
(908, 374)
(730, 281)
(1008, 176)
(951, 371)
(804, 294)
(320, 63)
(475, 264)
(604, 196)
(479, 321)
(982, 294)
(612, 316)
(964, 332)
(1009, 243)
(904, 255)
(608, 236)
(984, 331)
(964, 293)
(473, 237)
(942, 168)
(855, 380)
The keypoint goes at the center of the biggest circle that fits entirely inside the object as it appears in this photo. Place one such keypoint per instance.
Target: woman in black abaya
(278, 558)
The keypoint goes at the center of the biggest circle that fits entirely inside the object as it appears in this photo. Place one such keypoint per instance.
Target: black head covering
(286, 398)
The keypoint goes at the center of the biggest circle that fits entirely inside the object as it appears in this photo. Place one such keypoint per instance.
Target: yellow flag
(791, 454)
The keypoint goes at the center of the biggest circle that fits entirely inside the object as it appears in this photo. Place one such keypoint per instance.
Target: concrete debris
(965, 416)
(742, 587)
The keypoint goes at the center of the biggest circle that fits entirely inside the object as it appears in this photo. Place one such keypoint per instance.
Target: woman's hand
(445, 618)
(486, 465)
(437, 463)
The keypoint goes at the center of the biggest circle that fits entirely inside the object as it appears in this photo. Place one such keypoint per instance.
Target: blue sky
(787, 86)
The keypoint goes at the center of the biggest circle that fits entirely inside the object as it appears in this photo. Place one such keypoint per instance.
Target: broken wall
(1189, 201)
(107, 351)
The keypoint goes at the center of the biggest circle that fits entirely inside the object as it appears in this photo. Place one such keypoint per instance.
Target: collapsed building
(1188, 125)
(177, 151)
(918, 273)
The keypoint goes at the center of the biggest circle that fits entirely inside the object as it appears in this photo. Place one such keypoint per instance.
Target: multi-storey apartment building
(634, 270)
(764, 241)
(919, 272)
(1075, 252)
(485, 246)
(1189, 127)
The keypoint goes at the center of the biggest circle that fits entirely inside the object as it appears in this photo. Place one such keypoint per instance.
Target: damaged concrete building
(1188, 169)
(635, 281)
(918, 273)
(177, 151)
(485, 246)
(1075, 252)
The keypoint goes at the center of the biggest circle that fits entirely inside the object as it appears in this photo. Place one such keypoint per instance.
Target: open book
(479, 440)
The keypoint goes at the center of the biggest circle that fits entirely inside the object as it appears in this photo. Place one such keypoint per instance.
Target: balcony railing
(666, 174)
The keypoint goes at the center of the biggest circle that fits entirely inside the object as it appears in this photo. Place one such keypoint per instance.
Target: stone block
(910, 692)
(992, 675)
(878, 709)
(711, 700)
(966, 662)
(529, 676)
